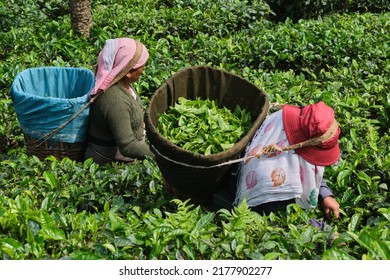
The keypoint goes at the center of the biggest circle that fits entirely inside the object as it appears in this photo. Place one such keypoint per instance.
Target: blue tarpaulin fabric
(45, 98)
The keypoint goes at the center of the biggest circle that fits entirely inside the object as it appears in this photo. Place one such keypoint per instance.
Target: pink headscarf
(117, 58)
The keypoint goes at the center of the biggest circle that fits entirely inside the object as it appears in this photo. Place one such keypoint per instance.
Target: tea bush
(61, 209)
(307, 9)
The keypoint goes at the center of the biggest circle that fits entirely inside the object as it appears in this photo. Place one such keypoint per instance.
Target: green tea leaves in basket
(200, 126)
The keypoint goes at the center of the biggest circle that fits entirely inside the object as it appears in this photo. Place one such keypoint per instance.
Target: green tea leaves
(200, 126)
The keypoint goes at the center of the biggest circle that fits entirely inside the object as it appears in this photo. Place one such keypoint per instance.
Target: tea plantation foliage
(298, 53)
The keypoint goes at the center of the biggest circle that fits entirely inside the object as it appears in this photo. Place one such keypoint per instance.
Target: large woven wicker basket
(50, 103)
(190, 175)
(60, 150)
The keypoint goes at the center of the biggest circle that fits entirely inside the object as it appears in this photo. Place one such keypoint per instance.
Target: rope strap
(272, 148)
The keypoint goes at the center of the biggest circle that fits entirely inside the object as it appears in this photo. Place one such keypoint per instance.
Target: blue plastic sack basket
(46, 97)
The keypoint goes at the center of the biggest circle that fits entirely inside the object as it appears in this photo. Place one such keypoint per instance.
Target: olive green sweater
(115, 116)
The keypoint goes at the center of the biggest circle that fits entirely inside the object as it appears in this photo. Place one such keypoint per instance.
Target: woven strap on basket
(272, 148)
(127, 69)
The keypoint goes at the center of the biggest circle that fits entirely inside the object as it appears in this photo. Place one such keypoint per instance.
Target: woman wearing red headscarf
(116, 131)
(284, 163)
(294, 175)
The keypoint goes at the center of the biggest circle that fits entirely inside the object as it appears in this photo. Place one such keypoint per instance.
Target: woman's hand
(329, 204)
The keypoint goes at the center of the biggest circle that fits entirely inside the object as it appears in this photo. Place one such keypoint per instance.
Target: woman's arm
(327, 201)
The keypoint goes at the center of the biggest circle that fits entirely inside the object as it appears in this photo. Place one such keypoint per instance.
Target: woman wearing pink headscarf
(116, 130)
